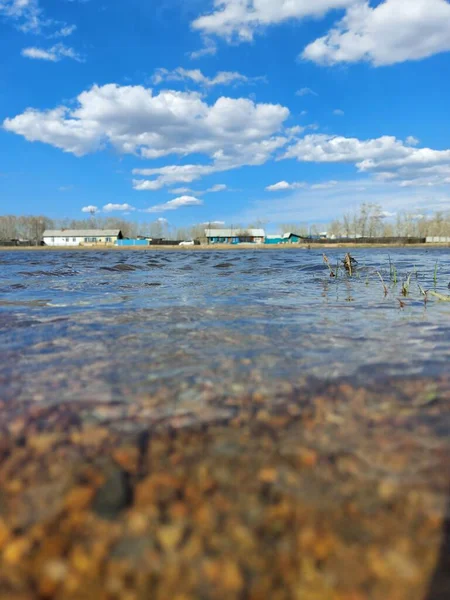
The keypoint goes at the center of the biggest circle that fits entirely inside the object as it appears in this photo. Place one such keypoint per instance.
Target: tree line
(31, 228)
(369, 220)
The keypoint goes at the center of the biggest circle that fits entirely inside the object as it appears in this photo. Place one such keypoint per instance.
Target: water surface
(112, 325)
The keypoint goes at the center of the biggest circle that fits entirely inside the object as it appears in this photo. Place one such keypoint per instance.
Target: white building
(81, 237)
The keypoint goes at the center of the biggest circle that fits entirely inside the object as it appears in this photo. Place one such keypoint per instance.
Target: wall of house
(78, 241)
(62, 241)
(236, 240)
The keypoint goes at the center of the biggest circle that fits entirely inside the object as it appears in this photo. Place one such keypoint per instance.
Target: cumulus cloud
(175, 204)
(284, 185)
(391, 32)
(133, 120)
(118, 207)
(382, 33)
(90, 209)
(253, 154)
(239, 20)
(196, 76)
(338, 112)
(387, 157)
(53, 54)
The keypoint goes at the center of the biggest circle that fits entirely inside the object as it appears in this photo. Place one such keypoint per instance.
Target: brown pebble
(169, 536)
(267, 475)
(4, 533)
(79, 498)
(16, 550)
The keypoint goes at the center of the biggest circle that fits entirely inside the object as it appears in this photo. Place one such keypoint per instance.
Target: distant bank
(211, 247)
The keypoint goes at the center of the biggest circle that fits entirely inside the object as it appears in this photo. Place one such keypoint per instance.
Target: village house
(235, 236)
(81, 237)
(284, 238)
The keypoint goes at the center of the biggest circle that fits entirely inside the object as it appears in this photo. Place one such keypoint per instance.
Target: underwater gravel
(326, 491)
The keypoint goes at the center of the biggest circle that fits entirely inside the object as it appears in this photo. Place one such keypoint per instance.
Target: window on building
(67, 239)
(108, 239)
(53, 239)
(74, 239)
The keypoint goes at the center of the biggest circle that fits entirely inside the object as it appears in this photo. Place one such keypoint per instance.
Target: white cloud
(391, 32)
(53, 54)
(412, 141)
(65, 31)
(284, 185)
(387, 157)
(118, 207)
(240, 19)
(174, 204)
(338, 112)
(325, 185)
(169, 175)
(181, 191)
(28, 16)
(90, 209)
(209, 49)
(306, 91)
(25, 14)
(252, 154)
(196, 76)
(231, 132)
(219, 187)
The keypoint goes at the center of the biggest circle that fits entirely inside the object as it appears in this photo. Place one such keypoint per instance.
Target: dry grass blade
(441, 297)
(424, 293)
(348, 263)
(327, 262)
(382, 281)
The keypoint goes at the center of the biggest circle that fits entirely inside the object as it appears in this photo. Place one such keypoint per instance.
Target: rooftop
(235, 232)
(81, 232)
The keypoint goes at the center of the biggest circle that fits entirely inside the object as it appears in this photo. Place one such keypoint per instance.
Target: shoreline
(239, 247)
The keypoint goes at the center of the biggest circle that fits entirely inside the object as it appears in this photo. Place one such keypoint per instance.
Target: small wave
(121, 267)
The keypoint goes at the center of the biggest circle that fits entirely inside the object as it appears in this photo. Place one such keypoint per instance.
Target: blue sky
(225, 110)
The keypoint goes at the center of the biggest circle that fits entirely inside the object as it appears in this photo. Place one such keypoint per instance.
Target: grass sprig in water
(383, 284)
(405, 286)
(327, 262)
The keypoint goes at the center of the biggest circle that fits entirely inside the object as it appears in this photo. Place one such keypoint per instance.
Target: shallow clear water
(114, 325)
